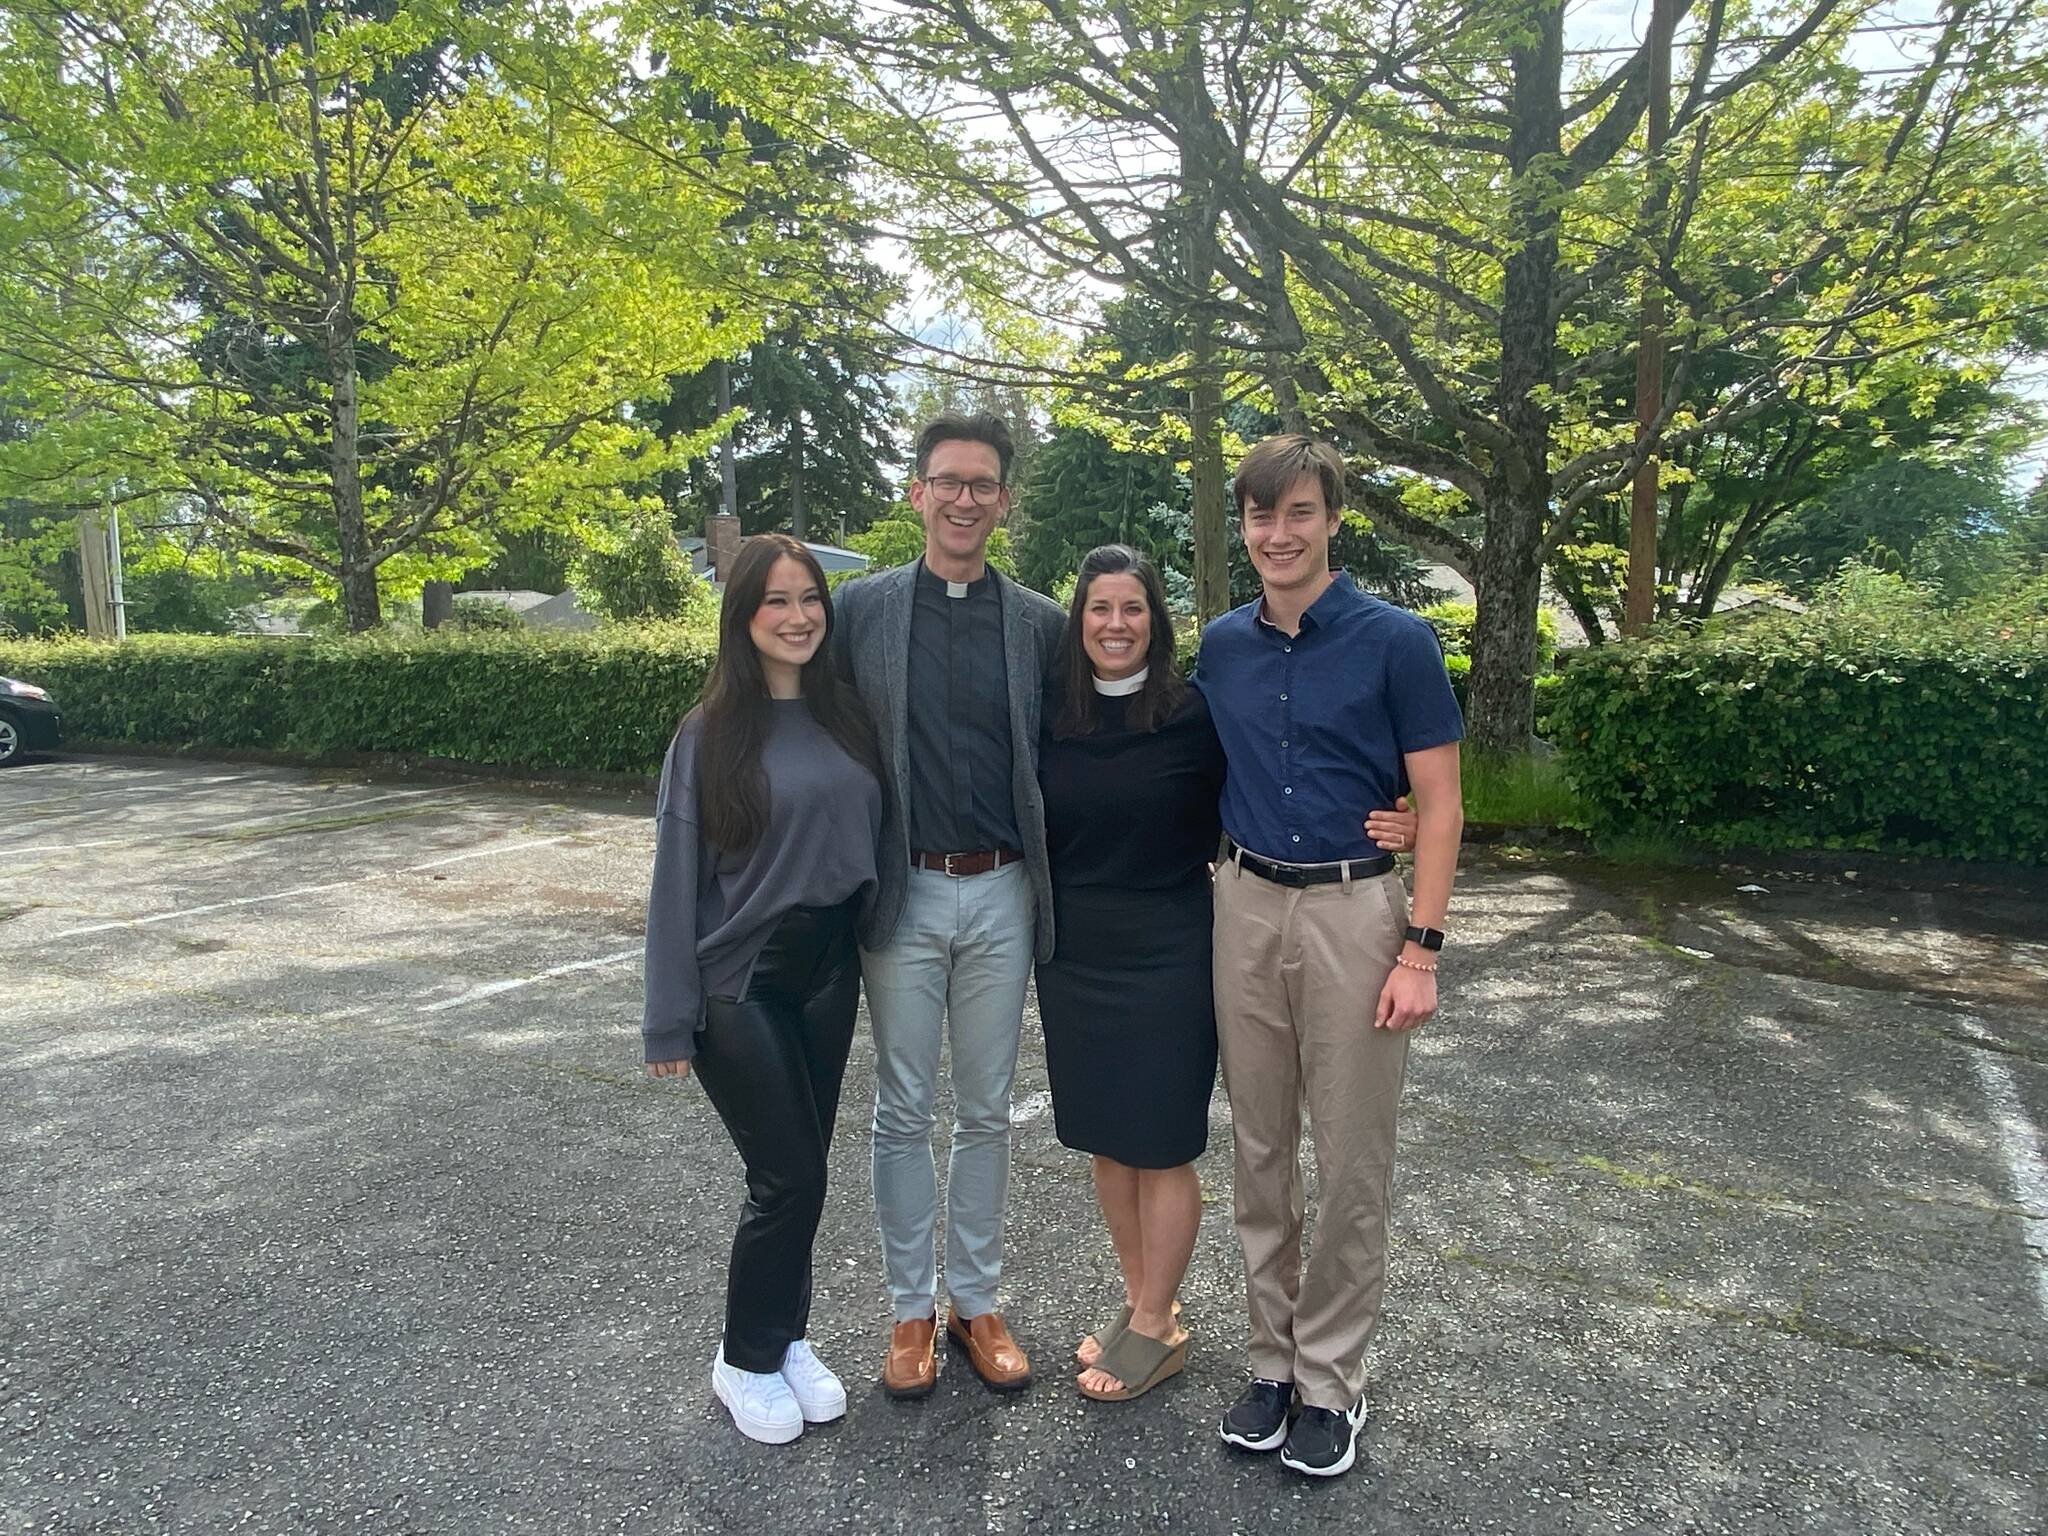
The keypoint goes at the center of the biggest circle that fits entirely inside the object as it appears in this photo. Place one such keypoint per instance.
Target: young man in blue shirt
(1329, 702)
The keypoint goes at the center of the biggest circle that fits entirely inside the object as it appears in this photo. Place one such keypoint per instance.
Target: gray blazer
(871, 639)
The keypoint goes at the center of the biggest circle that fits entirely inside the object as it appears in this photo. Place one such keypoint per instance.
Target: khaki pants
(1298, 976)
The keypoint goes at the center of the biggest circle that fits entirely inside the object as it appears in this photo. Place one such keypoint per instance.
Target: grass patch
(1519, 791)
(1650, 850)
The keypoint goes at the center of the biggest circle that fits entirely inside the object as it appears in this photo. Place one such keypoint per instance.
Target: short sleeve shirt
(1315, 725)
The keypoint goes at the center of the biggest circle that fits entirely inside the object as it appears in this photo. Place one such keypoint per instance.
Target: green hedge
(605, 701)
(1908, 730)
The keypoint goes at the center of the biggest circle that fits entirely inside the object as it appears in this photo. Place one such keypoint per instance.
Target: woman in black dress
(1131, 771)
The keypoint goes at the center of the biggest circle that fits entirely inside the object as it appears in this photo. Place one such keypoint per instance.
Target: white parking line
(306, 890)
(2021, 1144)
(513, 984)
(337, 809)
(2018, 1141)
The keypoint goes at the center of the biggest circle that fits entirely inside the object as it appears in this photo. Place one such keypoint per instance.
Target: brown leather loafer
(911, 1368)
(996, 1359)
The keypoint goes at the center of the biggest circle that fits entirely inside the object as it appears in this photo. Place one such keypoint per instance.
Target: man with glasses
(951, 658)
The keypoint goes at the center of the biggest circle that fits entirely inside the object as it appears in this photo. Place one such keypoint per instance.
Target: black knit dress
(1126, 1002)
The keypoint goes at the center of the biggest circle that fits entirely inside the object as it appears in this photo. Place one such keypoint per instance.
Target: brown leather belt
(960, 865)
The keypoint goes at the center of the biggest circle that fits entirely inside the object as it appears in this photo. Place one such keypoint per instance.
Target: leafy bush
(170, 599)
(1875, 720)
(640, 573)
(605, 700)
(474, 615)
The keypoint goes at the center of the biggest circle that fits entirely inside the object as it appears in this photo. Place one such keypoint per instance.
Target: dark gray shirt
(710, 914)
(961, 795)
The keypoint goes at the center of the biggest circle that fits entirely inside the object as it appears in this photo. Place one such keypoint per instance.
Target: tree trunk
(1573, 591)
(359, 604)
(1641, 606)
(437, 604)
(1500, 702)
(1212, 540)
(1205, 423)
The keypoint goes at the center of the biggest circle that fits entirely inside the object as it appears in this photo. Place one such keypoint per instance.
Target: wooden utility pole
(796, 475)
(1640, 609)
(99, 574)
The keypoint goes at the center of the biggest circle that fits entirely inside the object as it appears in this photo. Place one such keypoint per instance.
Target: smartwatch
(1428, 938)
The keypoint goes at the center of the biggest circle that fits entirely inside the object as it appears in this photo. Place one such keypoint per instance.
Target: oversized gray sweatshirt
(710, 914)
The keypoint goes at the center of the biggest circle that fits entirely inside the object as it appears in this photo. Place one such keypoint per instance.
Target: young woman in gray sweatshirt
(769, 815)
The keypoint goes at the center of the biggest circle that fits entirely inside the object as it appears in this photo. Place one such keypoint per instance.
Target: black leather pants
(771, 1064)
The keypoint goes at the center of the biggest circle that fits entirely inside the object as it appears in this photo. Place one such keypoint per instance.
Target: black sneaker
(1257, 1421)
(1322, 1443)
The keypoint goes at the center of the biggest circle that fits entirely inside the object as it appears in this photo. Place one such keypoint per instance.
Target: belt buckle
(948, 866)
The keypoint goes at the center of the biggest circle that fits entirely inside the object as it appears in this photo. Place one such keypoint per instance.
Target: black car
(28, 721)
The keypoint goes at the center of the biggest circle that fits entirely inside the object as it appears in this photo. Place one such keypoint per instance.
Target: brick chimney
(721, 543)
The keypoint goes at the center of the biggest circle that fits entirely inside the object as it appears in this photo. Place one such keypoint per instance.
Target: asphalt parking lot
(336, 1200)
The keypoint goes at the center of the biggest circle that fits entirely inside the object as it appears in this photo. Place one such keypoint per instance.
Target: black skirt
(1130, 1023)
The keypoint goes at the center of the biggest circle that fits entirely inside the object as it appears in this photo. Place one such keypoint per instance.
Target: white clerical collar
(952, 589)
(1123, 685)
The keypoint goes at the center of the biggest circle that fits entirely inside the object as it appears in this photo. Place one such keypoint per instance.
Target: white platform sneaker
(761, 1405)
(818, 1393)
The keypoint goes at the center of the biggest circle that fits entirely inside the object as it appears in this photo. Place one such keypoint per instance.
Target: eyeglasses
(949, 487)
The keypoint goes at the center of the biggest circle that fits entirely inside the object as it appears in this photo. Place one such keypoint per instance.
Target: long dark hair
(1163, 690)
(732, 790)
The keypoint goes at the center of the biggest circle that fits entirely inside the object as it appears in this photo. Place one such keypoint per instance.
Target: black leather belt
(960, 865)
(1310, 874)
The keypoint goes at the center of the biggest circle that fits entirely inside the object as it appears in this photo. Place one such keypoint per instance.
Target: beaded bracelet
(1414, 965)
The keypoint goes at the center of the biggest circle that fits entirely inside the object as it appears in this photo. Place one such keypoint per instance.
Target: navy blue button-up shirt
(1314, 725)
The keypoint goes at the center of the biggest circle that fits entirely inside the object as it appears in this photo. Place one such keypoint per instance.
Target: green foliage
(815, 428)
(1875, 720)
(1407, 227)
(478, 615)
(1084, 492)
(898, 539)
(637, 572)
(168, 600)
(1520, 790)
(374, 286)
(2017, 605)
(32, 599)
(607, 700)
(1453, 625)
(1933, 520)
